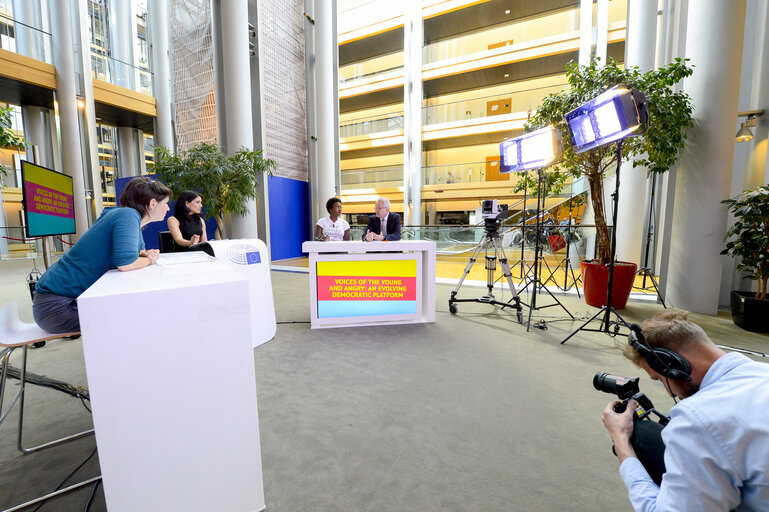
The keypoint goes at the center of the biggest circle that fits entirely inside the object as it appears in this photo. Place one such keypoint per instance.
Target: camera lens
(604, 382)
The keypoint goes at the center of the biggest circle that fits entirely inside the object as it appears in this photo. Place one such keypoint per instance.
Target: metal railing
(18, 37)
(371, 124)
(121, 73)
(521, 31)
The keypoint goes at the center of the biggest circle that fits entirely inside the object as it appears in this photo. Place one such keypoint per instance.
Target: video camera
(626, 389)
(491, 209)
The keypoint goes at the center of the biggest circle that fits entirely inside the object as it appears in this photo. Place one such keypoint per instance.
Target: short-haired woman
(333, 227)
(113, 242)
(186, 226)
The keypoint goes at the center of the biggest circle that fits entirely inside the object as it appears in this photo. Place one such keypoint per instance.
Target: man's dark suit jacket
(393, 226)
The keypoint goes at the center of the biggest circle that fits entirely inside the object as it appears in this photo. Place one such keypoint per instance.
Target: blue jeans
(55, 313)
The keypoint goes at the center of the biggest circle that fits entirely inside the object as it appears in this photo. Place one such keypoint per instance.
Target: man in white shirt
(717, 442)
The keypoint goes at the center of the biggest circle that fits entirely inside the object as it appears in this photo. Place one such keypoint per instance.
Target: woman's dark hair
(181, 211)
(331, 202)
(140, 191)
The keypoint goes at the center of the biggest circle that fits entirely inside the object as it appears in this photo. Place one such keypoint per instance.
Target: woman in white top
(333, 227)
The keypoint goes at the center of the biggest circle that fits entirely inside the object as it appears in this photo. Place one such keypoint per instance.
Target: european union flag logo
(253, 257)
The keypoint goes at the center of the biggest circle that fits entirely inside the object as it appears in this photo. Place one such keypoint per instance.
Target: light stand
(490, 239)
(646, 270)
(565, 263)
(535, 282)
(612, 116)
(607, 310)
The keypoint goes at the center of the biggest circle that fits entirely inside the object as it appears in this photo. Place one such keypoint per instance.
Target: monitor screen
(49, 205)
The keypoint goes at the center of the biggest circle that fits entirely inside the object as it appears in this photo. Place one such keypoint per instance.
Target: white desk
(371, 283)
(249, 258)
(170, 369)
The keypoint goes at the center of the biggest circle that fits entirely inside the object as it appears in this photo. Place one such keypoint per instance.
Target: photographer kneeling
(716, 446)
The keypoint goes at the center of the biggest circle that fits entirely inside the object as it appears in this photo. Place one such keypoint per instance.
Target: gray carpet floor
(471, 413)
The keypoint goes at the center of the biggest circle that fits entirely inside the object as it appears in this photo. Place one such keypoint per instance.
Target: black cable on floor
(41, 380)
(67, 478)
(90, 498)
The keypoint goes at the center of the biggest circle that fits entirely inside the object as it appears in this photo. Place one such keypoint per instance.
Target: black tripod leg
(600, 311)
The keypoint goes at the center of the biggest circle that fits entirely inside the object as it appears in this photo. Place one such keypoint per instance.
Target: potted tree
(224, 182)
(656, 149)
(748, 239)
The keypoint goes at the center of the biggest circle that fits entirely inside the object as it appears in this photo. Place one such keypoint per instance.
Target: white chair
(17, 334)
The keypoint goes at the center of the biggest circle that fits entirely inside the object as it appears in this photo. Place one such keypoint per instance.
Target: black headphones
(664, 361)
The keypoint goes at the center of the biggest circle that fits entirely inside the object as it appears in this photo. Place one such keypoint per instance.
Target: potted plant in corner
(748, 239)
(656, 149)
(224, 182)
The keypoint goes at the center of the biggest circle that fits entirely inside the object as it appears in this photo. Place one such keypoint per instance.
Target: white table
(250, 258)
(170, 366)
(371, 283)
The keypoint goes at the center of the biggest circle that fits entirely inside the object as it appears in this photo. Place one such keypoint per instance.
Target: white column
(72, 160)
(326, 110)
(89, 117)
(158, 21)
(413, 32)
(127, 150)
(121, 24)
(756, 167)
(142, 163)
(639, 51)
(34, 132)
(585, 31)
(602, 29)
(714, 45)
(237, 89)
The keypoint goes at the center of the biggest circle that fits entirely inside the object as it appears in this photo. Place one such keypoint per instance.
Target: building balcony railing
(474, 108)
(523, 31)
(25, 40)
(384, 176)
(371, 124)
(467, 172)
(486, 106)
(121, 73)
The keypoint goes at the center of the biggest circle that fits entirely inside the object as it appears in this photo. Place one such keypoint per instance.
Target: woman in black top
(186, 226)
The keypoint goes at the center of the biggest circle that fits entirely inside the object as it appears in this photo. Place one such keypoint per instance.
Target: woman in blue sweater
(113, 242)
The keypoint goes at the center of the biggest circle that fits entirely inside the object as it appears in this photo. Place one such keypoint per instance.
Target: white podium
(170, 368)
(249, 258)
(358, 283)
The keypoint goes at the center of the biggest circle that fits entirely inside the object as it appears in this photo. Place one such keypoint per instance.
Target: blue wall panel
(289, 216)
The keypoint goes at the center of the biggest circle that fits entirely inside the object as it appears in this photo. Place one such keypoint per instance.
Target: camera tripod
(490, 239)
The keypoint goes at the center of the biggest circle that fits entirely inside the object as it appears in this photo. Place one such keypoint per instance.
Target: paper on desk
(179, 258)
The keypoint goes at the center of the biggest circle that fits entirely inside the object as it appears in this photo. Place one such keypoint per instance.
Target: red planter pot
(595, 278)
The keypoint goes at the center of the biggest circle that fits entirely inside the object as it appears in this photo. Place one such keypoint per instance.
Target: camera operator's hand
(620, 427)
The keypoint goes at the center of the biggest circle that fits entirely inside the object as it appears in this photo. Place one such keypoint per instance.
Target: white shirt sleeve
(696, 476)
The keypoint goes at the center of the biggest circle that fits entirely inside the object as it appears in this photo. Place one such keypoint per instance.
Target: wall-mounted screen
(49, 205)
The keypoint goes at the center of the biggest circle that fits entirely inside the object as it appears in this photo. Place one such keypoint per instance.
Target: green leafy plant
(8, 138)
(670, 114)
(748, 238)
(224, 182)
